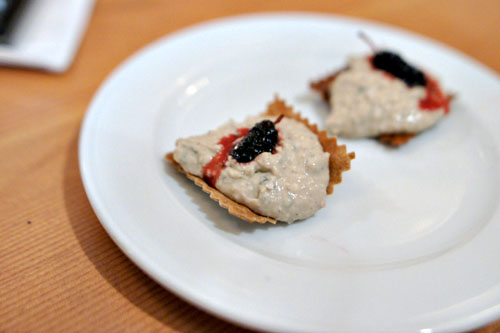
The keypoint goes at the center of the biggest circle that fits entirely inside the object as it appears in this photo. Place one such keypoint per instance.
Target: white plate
(409, 240)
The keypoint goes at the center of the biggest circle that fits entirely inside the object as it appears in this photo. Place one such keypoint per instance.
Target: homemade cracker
(339, 162)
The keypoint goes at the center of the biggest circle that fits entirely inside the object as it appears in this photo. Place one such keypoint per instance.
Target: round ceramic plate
(408, 241)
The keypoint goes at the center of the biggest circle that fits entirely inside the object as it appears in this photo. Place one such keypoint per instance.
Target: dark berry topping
(395, 65)
(261, 138)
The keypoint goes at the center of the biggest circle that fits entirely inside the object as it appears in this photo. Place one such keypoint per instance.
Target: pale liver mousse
(367, 103)
(289, 185)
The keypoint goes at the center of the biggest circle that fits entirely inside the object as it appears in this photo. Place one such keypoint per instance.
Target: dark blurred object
(9, 10)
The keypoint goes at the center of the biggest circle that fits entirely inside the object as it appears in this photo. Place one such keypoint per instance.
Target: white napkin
(47, 34)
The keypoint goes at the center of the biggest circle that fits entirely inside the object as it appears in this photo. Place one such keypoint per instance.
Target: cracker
(397, 139)
(339, 162)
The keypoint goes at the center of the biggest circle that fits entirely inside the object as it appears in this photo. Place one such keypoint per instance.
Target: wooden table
(59, 271)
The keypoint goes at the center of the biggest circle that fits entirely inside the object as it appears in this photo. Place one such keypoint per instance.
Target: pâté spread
(381, 94)
(288, 182)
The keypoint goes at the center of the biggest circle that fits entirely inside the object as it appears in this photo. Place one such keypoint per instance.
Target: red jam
(434, 98)
(212, 170)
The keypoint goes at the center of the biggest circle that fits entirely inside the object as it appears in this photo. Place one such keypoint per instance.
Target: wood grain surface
(59, 271)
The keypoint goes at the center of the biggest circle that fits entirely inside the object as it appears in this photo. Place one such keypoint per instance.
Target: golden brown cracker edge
(232, 207)
(396, 140)
(322, 86)
(339, 162)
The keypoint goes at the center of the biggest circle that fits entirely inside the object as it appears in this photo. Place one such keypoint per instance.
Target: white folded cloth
(47, 34)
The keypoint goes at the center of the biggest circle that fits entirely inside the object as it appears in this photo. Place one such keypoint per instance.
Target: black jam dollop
(261, 138)
(395, 65)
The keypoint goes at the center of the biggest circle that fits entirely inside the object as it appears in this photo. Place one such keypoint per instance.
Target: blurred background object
(8, 11)
(42, 34)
